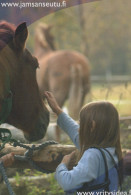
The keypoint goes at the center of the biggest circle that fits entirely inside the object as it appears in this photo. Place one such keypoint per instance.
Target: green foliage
(17, 179)
(34, 188)
(54, 187)
(29, 172)
(127, 184)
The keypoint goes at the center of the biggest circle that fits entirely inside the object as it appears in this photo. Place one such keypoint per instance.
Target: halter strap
(7, 102)
(117, 168)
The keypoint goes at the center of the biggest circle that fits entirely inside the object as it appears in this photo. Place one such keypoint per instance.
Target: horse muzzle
(39, 130)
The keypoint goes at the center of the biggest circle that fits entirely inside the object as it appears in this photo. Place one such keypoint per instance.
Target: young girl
(98, 139)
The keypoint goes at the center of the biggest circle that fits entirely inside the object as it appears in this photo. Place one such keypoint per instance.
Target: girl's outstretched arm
(70, 127)
(64, 121)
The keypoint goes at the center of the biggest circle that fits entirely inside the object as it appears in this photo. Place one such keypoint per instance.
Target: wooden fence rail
(111, 79)
(47, 158)
(50, 157)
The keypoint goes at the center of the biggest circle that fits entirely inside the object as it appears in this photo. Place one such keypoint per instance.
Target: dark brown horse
(18, 74)
(63, 72)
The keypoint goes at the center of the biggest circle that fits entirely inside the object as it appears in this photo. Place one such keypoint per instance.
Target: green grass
(118, 94)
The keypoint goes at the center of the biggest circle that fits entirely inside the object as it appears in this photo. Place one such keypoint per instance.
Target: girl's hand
(67, 158)
(52, 102)
(8, 159)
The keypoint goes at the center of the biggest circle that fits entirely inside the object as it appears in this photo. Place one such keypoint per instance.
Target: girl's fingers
(72, 153)
(8, 159)
(48, 94)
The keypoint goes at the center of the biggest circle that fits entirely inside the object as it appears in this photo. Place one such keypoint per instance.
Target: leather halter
(6, 103)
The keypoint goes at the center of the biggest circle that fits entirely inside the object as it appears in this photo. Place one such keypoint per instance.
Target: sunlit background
(102, 32)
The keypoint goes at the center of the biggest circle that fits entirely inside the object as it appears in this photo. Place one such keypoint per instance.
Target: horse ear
(21, 34)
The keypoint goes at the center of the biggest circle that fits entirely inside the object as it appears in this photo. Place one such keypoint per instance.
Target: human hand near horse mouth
(7, 159)
(52, 102)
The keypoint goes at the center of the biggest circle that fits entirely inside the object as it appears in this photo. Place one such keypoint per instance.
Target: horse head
(18, 75)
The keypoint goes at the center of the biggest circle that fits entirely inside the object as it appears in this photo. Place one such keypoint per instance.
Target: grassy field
(118, 94)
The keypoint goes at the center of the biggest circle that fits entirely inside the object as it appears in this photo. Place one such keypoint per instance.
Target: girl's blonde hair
(99, 126)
